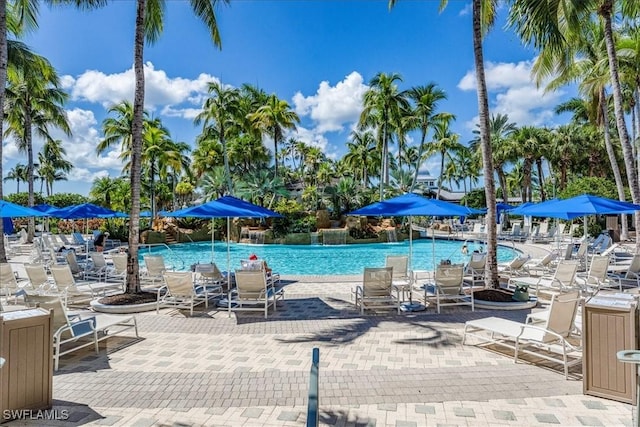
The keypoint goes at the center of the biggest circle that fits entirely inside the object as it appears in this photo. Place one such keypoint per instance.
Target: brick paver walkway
(380, 369)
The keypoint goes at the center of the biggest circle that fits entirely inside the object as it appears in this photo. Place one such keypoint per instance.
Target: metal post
(313, 413)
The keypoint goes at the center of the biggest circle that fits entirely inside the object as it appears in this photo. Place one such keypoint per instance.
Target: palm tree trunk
(419, 161)
(485, 145)
(133, 268)
(440, 177)
(225, 156)
(3, 81)
(611, 153)
(543, 196)
(275, 151)
(605, 11)
(28, 140)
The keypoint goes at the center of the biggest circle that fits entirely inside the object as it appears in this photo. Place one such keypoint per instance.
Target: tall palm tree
(423, 115)
(273, 118)
(382, 106)
(34, 103)
(53, 163)
(361, 154)
(444, 143)
(550, 25)
(17, 173)
(219, 111)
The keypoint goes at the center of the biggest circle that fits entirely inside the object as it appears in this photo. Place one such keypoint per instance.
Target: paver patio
(381, 369)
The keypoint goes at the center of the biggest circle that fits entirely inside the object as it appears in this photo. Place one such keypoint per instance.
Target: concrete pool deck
(380, 369)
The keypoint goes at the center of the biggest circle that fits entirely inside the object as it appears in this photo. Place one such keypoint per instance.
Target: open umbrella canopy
(225, 207)
(11, 210)
(574, 207)
(87, 210)
(243, 204)
(145, 214)
(411, 204)
(46, 209)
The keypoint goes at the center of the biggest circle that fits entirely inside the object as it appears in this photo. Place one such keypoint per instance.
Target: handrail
(313, 412)
(173, 254)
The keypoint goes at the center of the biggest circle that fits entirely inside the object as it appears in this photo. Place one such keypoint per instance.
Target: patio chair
(260, 264)
(377, 290)
(72, 332)
(99, 268)
(542, 266)
(179, 292)
(448, 288)
(77, 293)
(563, 280)
(402, 277)
(38, 278)
(80, 240)
(629, 277)
(9, 284)
(210, 276)
(596, 278)
(474, 271)
(119, 271)
(550, 341)
(153, 274)
(254, 292)
(515, 267)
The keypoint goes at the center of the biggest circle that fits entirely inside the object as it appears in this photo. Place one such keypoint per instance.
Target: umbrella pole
(229, 265)
(212, 241)
(433, 246)
(410, 243)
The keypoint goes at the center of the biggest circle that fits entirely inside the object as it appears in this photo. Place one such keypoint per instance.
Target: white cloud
(515, 94)
(86, 175)
(466, 10)
(333, 107)
(312, 137)
(160, 89)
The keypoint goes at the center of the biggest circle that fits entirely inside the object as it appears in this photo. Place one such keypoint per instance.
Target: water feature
(334, 236)
(392, 236)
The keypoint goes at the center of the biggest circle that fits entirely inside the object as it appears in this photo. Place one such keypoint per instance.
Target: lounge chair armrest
(78, 328)
(560, 338)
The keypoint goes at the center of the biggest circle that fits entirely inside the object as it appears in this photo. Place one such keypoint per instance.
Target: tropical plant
(52, 164)
(18, 174)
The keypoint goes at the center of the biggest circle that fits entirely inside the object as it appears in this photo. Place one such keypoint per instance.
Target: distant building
(430, 187)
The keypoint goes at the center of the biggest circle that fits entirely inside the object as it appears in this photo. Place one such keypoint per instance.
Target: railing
(313, 412)
(174, 256)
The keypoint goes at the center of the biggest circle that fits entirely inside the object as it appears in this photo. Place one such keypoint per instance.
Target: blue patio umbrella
(225, 207)
(87, 210)
(11, 210)
(7, 225)
(145, 214)
(411, 205)
(45, 208)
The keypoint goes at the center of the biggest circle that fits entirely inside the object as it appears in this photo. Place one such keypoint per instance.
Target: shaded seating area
(550, 340)
(377, 290)
(562, 280)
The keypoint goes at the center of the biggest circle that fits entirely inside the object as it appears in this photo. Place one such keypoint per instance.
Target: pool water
(318, 259)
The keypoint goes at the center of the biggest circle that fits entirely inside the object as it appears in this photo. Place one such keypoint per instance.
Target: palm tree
(273, 118)
(33, 104)
(219, 111)
(444, 143)
(383, 103)
(550, 25)
(103, 190)
(423, 115)
(53, 165)
(361, 155)
(17, 173)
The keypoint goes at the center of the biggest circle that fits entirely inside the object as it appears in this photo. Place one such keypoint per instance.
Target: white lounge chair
(596, 278)
(474, 271)
(9, 286)
(179, 292)
(74, 292)
(447, 289)
(377, 290)
(515, 267)
(563, 280)
(153, 275)
(254, 292)
(72, 332)
(630, 277)
(549, 341)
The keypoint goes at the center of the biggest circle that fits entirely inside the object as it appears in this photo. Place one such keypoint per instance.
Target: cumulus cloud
(160, 89)
(466, 10)
(333, 107)
(516, 94)
(86, 175)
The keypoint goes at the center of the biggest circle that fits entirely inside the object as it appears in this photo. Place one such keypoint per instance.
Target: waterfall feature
(392, 236)
(256, 237)
(334, 236)
(314, 238)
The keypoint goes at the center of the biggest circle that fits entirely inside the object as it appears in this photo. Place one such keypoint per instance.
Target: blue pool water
(318, 259)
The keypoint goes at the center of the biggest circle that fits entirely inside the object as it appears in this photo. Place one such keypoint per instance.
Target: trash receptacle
(26, 379)
(609, 326)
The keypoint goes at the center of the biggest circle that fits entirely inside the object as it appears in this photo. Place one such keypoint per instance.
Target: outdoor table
(632, 356)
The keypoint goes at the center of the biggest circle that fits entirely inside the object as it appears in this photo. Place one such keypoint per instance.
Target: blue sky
(317, 55)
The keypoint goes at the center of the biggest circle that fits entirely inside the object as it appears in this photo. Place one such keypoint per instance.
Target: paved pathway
(377, 370)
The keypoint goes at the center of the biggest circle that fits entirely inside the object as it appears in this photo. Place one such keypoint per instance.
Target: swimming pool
(318, 259)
